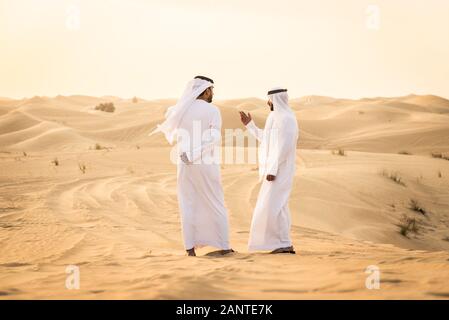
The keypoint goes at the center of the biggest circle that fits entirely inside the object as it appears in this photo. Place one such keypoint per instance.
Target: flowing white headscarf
(175, 113)
(281, 112)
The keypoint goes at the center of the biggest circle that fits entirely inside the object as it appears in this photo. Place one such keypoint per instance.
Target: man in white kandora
(196, 125)
(270, 227)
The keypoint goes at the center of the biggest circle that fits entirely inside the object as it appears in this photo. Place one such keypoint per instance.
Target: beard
(209, 99)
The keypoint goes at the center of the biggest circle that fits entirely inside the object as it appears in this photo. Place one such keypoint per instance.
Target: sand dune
(119, 220)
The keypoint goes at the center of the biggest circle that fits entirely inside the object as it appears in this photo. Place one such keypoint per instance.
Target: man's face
(270, 104)
(210, 94)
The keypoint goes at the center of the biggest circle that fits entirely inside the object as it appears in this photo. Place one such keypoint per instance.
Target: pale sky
(151, 48)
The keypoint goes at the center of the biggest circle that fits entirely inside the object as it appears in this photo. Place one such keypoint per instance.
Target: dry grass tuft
(439, 155)
(407, 225)
(415, 206)
(82, 167)
(339, 152)
(393, 176)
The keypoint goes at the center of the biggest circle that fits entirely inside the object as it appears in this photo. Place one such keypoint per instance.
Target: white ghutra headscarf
(175, 113)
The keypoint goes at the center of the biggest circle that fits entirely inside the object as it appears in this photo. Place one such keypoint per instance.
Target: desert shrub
(339, 152)
(415, 206)
(99, 147)
(439, 155)
(407, 225)
(106, 107)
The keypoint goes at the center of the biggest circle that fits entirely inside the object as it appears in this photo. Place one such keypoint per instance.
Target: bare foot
(191, 252)
(284, 250)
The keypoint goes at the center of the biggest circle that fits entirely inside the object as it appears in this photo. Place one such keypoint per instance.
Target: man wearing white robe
(270, 227)
(196, 125)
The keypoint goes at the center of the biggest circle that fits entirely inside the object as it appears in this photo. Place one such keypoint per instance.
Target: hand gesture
(245, 118)
(271, 177)
(185, 159)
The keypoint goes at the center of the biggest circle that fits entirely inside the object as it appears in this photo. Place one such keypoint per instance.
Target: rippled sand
(119, 223)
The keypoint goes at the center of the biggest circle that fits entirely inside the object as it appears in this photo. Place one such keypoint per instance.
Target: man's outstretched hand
(185, 159)
(271, 177)
(245, 118)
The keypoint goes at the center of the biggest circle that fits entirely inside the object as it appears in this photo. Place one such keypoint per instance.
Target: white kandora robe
(271, 222)
(196, 125)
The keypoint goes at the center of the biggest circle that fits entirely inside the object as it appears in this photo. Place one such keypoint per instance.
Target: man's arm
(207, 145)
(255, 131)
(251, 126)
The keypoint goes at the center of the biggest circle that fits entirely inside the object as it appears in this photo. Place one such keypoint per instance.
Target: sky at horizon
(151, 48)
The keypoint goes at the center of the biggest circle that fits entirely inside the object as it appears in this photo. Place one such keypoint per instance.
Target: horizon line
(226, 99)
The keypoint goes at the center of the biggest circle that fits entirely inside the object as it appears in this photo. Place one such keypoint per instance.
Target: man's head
(272, 92)
(208, 94)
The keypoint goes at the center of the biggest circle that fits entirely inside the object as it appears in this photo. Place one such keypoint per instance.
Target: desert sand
(118, 220)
